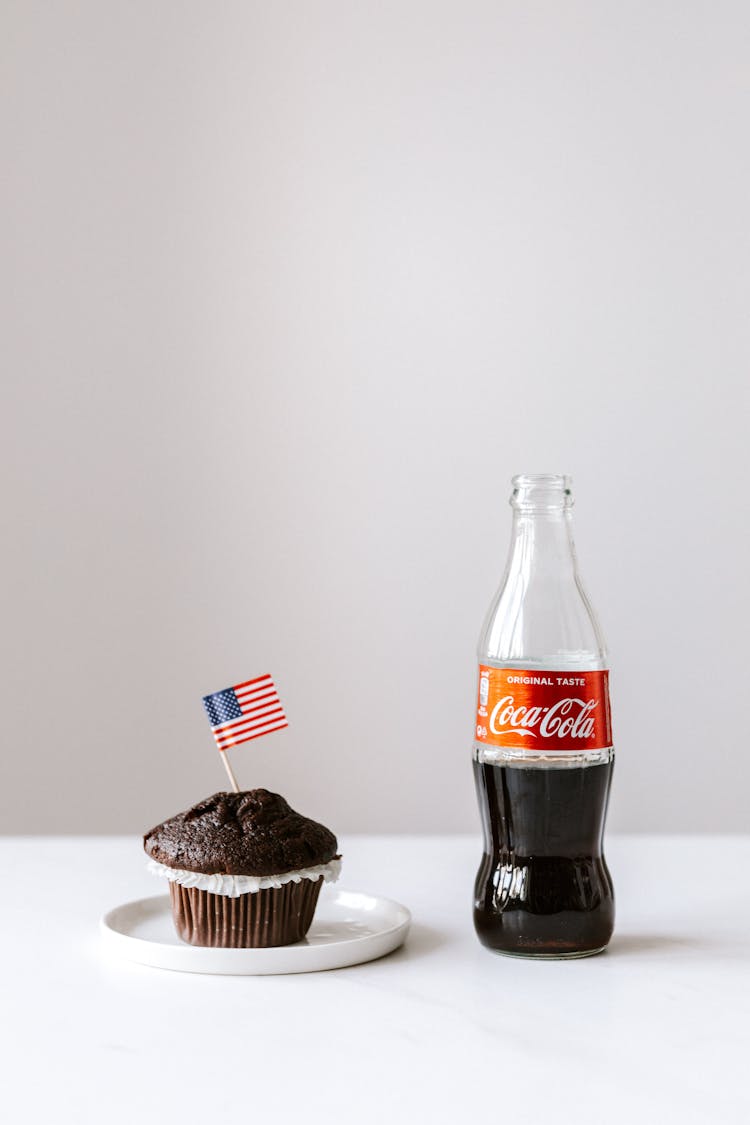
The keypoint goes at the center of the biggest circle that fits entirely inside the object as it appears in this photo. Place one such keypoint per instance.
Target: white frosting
(235, 885)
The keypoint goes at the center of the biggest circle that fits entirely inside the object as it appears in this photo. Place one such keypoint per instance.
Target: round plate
(348, 928)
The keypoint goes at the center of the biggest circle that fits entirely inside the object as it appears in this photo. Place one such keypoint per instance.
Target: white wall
(290, 291)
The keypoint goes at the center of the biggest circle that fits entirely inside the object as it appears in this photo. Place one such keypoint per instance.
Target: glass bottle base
(524, 956)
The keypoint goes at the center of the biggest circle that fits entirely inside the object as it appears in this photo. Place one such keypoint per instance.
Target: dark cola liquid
(543, 888)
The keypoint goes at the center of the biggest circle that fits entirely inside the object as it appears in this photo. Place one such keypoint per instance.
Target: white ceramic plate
(348, 928)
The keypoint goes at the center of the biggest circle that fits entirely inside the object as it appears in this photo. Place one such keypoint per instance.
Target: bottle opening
(541, 492)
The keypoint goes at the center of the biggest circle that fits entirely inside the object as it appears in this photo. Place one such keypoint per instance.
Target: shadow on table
(653, 945)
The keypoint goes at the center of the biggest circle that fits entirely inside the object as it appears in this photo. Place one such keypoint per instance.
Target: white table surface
(656, 1029)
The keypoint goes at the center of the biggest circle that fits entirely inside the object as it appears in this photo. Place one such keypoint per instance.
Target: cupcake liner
(275, 916)
(236, 885)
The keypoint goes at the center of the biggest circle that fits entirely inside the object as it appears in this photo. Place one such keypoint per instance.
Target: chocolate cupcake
(244, 869)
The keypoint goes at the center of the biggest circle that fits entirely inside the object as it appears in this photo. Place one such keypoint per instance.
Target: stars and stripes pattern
(245, 711)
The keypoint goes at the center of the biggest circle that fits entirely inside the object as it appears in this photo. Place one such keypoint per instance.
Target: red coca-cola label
(533, 710)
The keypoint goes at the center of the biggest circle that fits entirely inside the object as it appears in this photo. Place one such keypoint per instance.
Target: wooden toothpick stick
(224, 755)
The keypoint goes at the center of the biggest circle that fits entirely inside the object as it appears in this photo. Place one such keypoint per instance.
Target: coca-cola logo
(567, 718)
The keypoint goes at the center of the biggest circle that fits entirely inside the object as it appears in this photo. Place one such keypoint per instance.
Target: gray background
(289, 291)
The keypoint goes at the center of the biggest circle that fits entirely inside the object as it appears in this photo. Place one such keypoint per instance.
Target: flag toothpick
(225, 759)
(241, 713)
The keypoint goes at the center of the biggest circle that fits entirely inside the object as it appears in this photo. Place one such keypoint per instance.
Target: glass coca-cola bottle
(543, 753)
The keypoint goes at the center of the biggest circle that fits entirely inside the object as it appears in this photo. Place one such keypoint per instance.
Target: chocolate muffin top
(249, 833)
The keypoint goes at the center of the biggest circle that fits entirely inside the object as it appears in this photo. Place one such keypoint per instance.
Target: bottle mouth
(541, 492)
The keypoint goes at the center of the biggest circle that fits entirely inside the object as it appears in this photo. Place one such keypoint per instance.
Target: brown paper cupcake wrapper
(277, 916)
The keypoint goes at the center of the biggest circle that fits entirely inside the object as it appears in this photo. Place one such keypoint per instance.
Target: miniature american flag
(244, 711)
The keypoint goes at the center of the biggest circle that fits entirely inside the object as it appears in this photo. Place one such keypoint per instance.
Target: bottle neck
(542, 536)
(542, 544)
(541, 616)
